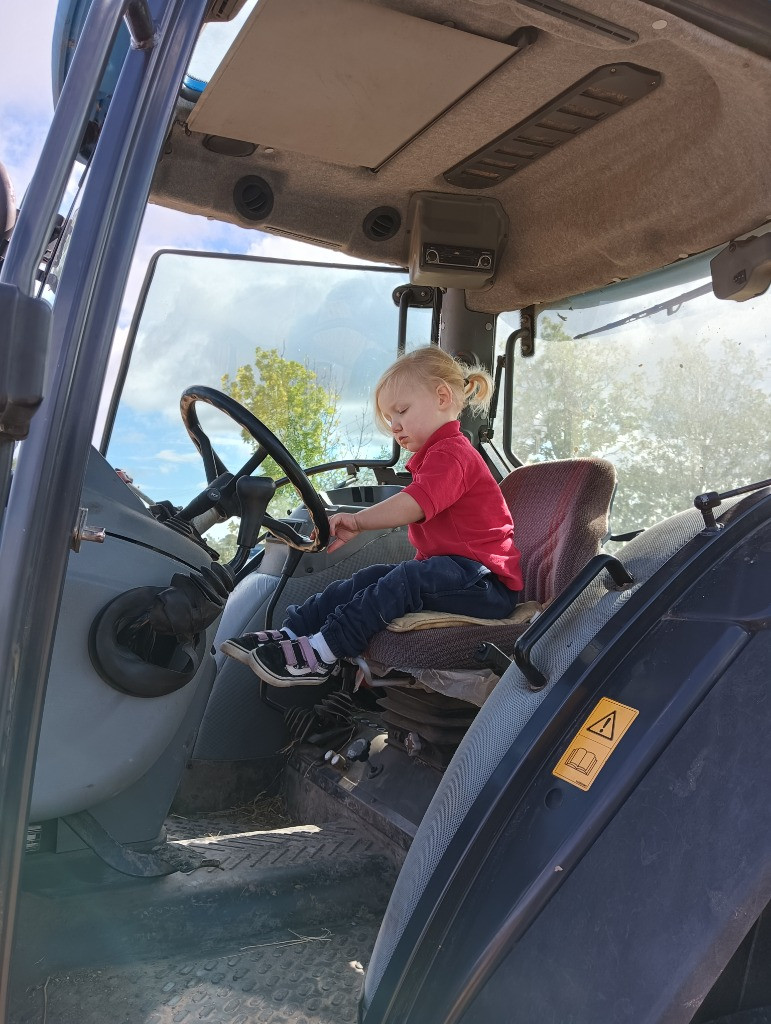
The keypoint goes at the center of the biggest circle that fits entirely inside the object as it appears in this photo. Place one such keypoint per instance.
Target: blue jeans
(349, 612)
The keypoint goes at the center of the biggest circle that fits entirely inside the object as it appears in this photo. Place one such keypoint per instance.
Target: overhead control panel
(455, 241)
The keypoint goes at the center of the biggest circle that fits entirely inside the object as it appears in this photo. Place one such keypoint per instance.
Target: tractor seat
(560, 511)
(431, 685)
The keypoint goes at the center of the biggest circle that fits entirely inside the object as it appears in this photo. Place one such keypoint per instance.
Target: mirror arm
(525, 335)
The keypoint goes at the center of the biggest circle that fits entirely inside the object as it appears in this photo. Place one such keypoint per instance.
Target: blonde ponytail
(478, 390)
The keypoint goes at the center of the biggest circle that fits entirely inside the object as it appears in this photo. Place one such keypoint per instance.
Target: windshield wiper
(671, 306)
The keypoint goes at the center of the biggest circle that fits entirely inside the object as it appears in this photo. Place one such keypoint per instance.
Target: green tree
(291, 401)
(708, 425)
(571, 399)
(226, 545)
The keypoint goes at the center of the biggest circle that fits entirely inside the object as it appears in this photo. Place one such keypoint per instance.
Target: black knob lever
(358, 750)
(254, 496)
(492, 657)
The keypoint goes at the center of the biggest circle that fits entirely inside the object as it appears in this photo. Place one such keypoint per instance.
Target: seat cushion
(442, 647)
(560, 512)
(436, 620)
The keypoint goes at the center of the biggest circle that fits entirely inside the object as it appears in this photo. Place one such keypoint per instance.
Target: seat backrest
(560, 512)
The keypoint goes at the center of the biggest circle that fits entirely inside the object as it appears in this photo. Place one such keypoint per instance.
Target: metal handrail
(36, 536)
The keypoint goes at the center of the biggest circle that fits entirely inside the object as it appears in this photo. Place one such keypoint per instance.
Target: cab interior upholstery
(601, 206)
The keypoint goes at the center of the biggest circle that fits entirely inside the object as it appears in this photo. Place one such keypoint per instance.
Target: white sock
(321, 647)
(289, 632)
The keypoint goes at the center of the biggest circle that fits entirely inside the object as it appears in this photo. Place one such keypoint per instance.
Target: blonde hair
(432, 366)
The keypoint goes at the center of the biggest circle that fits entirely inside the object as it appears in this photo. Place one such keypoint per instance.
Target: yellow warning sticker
(594, 742)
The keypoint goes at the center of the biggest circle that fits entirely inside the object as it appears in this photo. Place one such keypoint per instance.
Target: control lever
(254, 495)
(492, 657)
(207, 499)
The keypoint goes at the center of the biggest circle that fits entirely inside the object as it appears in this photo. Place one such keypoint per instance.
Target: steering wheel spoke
(267, 445)
(288, 534)
(252, 463)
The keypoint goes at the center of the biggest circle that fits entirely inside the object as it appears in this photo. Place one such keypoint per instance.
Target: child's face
(415, 411)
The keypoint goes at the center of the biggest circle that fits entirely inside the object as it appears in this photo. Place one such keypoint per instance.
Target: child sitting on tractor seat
(458, 522)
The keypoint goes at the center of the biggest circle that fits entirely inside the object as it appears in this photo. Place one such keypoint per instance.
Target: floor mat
(273, 927)
(285, 978)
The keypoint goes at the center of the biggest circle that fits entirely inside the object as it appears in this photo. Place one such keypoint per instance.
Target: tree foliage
(572, 400)
(291, 400)
(225, 545)
(690, 419)
(707, 425)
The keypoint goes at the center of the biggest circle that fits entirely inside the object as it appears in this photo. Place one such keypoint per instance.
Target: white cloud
(281, 248)
(25, 71)
(22, 139)
(26, 104)
(167, 455)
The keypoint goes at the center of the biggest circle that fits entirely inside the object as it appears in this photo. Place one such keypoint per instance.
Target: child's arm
(398, 510)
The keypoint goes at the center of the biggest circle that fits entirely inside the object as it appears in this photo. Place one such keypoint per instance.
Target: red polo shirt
(464, 510)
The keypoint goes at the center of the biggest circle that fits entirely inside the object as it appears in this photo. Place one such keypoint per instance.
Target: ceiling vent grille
(253, 198)
(595, 98)
(381, 223)
(583, 19)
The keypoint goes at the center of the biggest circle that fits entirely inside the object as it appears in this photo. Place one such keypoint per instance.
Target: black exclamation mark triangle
(605, 726)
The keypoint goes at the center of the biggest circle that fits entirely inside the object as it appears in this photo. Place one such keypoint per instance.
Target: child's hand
(343, 526)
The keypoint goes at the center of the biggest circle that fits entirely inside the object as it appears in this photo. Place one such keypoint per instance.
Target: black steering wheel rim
(271, 446)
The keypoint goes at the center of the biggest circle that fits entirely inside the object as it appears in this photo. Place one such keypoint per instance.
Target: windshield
(301, 345)
(678, 399)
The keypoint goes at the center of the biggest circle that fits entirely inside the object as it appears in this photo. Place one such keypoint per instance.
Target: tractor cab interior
(571, 199)
(372, 744)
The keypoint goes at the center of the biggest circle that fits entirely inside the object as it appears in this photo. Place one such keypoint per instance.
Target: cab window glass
(301, 345)
(676, 393)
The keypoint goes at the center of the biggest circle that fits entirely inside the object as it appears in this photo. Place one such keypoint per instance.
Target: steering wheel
(267, 445)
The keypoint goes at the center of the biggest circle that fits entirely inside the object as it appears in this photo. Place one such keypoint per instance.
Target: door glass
(669, 383)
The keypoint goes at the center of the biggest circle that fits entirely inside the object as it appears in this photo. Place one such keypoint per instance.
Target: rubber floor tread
(286, 978)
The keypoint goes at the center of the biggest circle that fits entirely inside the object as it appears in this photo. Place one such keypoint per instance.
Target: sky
(26, 106)
(26, 110)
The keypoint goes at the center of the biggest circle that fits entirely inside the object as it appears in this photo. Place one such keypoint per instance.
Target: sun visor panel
(342, 81)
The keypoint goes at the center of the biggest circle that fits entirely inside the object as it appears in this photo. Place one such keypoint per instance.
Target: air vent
(583, 19)
(253, 198)
(382, 223)
(594, 99)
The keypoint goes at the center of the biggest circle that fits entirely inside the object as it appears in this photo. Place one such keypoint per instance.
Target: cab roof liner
(340, 130)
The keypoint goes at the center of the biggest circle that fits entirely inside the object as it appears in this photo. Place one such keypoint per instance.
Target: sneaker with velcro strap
(241, 647)
(291, 663)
